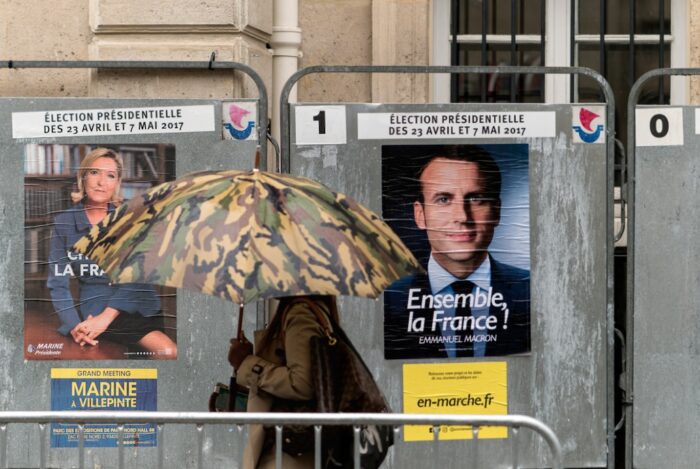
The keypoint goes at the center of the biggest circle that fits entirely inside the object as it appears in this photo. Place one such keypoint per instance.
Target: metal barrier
(353, 159)
(514, 422)
(635, 446)
(155, 65)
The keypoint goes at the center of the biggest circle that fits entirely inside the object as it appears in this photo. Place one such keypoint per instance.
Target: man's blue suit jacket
(513, 283)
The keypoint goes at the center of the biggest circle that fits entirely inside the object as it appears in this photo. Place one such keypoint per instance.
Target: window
(621, 39)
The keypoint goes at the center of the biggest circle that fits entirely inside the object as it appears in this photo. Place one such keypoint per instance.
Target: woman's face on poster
(101, 180)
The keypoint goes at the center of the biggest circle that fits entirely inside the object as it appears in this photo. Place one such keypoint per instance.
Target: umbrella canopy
(244, 235)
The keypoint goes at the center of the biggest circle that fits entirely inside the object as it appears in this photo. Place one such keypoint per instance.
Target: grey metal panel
(563, 382)
(204, 323)
(666, 276)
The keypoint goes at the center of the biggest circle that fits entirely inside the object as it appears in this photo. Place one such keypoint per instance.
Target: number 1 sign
(320, 125)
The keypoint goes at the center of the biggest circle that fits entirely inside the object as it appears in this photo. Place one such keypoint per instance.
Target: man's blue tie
(464, 287)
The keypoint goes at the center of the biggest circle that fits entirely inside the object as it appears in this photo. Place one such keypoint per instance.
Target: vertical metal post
(3, 445)
(200, 446)
(632, 58)
(601, 45)
(81, 446)
(542, 44)
(454, 50)
(514, 447)
(513, 50)
(475, 442)
(662, 46)
(317, 446)
(356, 446)
(120, 445)
(572, 48)
(42, 445)
(436, 442)
(160, 441)
(484, 58)
(278, 446)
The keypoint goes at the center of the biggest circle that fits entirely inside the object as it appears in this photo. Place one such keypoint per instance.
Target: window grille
(621, 39)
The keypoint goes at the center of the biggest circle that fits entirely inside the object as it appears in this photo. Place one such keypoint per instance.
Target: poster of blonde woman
(72, 311)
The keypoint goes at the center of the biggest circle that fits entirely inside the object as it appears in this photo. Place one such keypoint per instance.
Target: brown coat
(283, 370)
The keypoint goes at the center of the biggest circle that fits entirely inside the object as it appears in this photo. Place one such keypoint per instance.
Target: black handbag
(342, 383)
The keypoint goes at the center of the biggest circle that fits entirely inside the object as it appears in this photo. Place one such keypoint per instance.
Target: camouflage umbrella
(243, 235)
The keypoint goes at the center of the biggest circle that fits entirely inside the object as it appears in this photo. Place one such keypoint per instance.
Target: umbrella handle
(239, 332)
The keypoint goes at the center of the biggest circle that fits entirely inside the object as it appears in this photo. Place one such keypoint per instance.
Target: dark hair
(488, 169)
(285, 302)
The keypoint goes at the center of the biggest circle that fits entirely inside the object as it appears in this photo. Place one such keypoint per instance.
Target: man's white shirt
(441, 282)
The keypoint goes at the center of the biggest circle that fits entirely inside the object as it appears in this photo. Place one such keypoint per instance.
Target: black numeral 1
(321, 119)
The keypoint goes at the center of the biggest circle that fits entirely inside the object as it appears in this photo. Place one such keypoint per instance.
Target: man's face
(457, 213)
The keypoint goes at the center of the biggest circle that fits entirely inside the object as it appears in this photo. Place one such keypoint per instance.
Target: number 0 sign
(659, 126)
(320, 125)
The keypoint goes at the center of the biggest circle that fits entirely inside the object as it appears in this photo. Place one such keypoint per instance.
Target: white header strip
(430, 125)
(113, 121)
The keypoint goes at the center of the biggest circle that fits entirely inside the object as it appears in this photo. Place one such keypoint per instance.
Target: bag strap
(323, 319)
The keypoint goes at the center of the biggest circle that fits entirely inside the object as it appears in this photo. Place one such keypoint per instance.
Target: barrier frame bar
(285, 159)
(199, 419)
(632, 102)
(162, 65)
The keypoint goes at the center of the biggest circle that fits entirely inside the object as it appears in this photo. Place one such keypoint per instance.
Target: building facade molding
(401, 35)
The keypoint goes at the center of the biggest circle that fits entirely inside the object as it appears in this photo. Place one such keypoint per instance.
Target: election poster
(106, 389)
(464, 211)
(477, 388)
(72, 311)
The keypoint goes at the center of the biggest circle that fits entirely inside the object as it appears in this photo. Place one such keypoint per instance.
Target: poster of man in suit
(464, 212)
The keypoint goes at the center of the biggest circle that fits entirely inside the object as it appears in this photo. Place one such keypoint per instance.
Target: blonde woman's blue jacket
(96, 290)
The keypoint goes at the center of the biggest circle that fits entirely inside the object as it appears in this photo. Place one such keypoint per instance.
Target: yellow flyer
(455, 388)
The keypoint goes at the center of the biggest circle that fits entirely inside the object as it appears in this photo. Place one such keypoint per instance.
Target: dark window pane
(617, 14)
(500, 17)
(470, 12)
(530, 12)
(589, 16)
(528, 88)
(647, 17)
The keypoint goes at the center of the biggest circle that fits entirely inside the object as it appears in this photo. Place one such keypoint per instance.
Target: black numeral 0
(653, 125)
(321, 119)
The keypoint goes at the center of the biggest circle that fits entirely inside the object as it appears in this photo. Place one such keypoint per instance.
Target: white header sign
(116, 121)
(427, 125)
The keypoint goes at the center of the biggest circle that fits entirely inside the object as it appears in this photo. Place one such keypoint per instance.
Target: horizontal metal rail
(278, 420)
(534, 39)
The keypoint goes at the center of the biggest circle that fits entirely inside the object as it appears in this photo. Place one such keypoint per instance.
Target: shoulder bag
(343, 384)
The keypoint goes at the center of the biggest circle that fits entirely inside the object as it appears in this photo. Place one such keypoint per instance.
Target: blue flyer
(109, 389)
